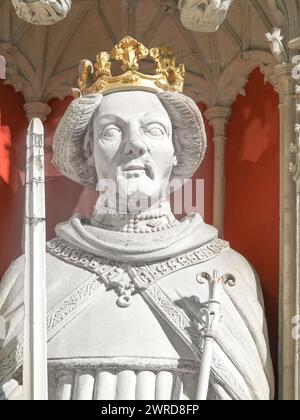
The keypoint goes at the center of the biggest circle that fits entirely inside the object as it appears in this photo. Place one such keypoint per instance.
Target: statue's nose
(135, 146)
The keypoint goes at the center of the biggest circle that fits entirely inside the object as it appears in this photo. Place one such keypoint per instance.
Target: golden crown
(97, 77)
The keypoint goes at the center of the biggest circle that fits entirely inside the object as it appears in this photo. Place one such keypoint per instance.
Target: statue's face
(133, 145)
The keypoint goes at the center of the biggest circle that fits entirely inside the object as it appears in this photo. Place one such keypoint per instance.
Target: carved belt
(113, 274)
(124, 278)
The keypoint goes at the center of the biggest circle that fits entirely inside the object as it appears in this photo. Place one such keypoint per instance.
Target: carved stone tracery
(42, 12)
(46, 67)
(203, 15)
(278, 48)
(282, 42)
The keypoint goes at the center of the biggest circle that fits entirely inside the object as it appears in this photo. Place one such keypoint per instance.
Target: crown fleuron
(97, 77)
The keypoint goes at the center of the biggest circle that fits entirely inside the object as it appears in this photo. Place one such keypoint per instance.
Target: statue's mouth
(138, 169)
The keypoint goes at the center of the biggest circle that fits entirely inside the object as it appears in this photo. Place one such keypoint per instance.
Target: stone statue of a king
(124, 295)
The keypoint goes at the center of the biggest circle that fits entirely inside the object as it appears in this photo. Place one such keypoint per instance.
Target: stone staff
(35, 380)
(210, 318)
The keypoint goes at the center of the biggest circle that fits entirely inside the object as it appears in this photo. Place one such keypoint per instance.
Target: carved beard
(130, 184)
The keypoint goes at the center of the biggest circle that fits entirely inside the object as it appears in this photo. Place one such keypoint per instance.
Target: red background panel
(252, 189)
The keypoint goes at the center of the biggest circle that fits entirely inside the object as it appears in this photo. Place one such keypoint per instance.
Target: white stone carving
(125, 282)
(152, 171)
(35, 378)
(203, 15)
(114, 274)
(295, 149)
(228, 53)
(277, 46)
(81, 168)
(10, 363)
(42, 12)
(210, 319)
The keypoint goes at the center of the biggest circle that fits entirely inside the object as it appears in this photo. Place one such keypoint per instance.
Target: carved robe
(122, 316)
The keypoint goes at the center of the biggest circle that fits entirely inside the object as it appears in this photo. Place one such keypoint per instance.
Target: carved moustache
(132, 167)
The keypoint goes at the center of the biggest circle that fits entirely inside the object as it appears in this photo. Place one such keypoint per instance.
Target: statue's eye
(111, 131)
(155, 130)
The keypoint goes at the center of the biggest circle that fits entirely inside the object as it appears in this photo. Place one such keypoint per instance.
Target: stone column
(39, 110)
(295, 170)
(218, 118)
(285, 85)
